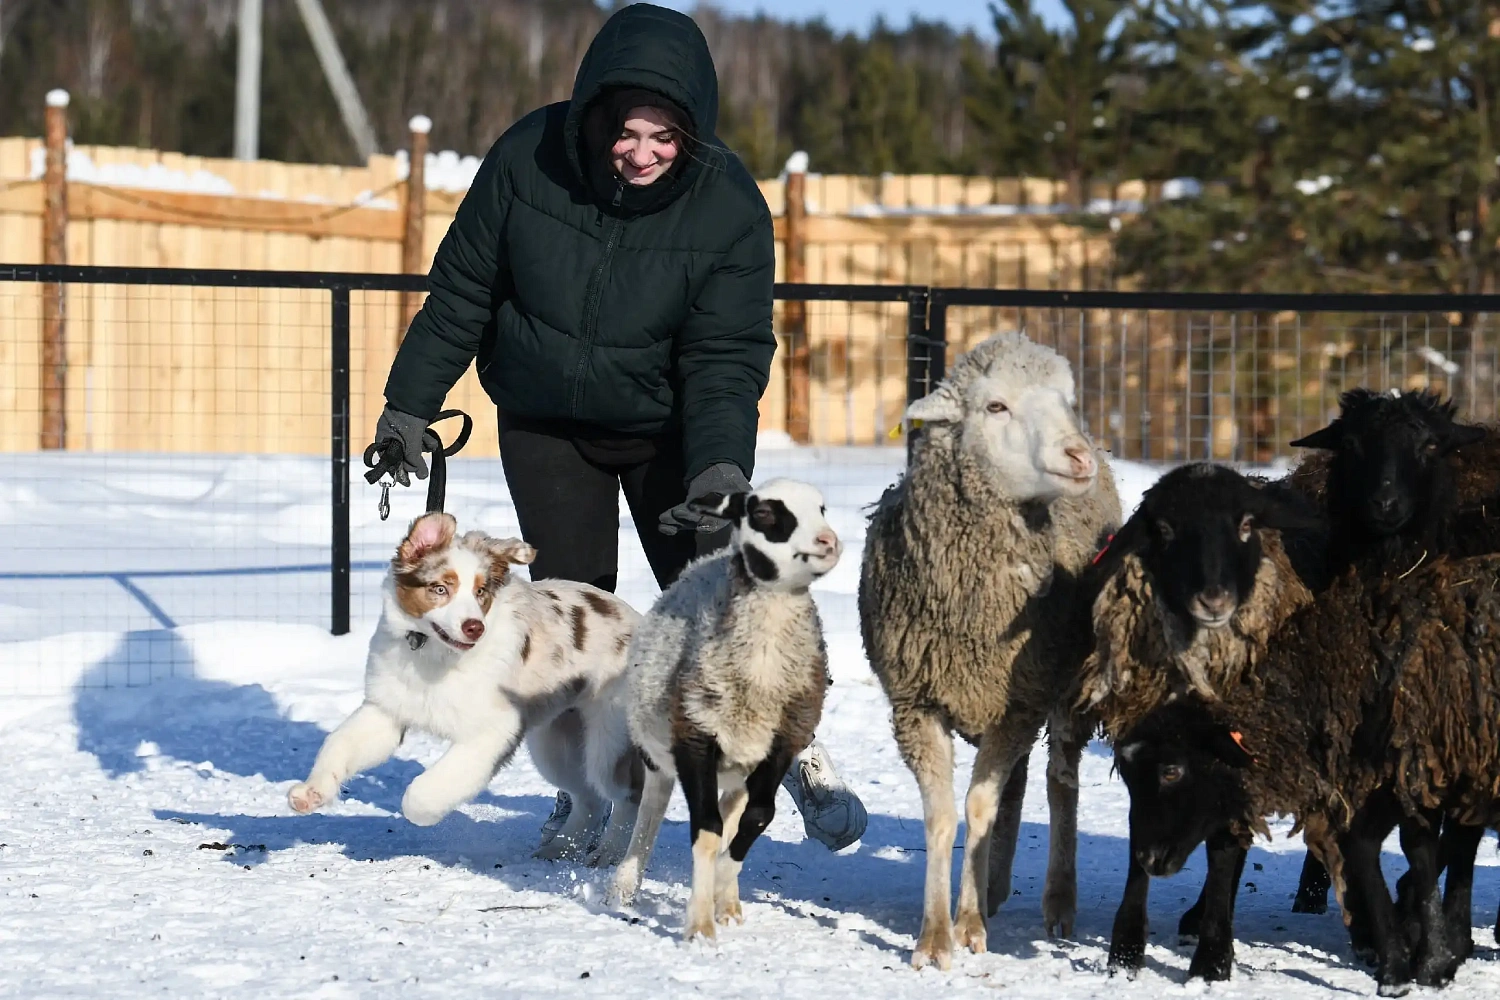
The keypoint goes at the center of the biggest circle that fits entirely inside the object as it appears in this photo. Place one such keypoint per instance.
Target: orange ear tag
(1239, 739)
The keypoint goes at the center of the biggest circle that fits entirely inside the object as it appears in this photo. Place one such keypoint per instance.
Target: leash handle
(384, 458)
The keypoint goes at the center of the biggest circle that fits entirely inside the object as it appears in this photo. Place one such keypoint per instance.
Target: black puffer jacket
(630, 310)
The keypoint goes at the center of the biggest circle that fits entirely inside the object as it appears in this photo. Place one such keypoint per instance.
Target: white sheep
(727, 675)
(974, 621)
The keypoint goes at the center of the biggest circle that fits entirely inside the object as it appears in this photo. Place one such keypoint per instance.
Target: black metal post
(340, 444)
(937, 338)
(916, 345)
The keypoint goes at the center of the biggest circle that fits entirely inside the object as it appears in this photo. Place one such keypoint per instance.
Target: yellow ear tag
(896, 431)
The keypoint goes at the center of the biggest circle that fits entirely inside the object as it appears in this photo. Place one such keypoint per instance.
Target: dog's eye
(1171, 774)
(479, 591)
(439, 590)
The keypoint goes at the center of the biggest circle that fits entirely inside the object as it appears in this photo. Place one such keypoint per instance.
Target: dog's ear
(510, 550)
(428, 533)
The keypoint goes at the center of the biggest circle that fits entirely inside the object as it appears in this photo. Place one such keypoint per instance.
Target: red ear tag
(1107, 542)
(1239, 739)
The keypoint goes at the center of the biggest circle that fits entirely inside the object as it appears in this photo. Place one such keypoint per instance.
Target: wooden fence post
(794, 314)
(414, 236)
(55, 251)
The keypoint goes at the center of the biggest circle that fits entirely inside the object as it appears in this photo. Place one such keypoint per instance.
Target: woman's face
(646, 147)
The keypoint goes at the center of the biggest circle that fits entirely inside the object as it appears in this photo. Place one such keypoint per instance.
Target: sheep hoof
(969, 932)
(1058, 912)
(729, 912)
(1130, 966)
(698, 927)
(1311, 902)
(1393, 989)
(1213, 967)
(935, 947)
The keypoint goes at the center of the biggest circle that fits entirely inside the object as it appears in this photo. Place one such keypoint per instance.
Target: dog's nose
(473, 629)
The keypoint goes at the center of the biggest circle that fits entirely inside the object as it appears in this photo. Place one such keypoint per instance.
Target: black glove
(723, 478)
(408, 430)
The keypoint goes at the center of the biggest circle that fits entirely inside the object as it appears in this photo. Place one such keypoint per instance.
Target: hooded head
(644, 54)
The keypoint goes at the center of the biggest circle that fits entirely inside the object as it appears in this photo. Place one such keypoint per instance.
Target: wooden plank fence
(242, 370)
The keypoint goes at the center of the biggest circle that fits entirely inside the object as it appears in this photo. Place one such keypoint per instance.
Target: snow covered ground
(166, 673)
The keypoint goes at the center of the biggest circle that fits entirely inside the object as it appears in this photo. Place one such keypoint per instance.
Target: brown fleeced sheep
(972, 617)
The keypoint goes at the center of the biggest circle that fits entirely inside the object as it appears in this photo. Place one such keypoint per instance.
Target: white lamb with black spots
(727, 674)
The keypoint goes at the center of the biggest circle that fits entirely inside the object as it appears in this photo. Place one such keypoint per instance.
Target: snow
(146, 845)
(445, 171)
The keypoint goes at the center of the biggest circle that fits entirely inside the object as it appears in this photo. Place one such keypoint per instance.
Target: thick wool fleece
(969, 602)
(1141, 659)
(722, 656)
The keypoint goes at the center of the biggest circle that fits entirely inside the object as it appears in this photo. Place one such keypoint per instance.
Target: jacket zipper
(591, 297)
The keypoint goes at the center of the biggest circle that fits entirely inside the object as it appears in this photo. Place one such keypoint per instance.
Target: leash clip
(385, 498)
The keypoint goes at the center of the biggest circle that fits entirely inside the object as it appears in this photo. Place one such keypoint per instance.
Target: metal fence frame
(926, 333)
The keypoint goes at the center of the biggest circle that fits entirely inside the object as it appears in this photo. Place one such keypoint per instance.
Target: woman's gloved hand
(724, 478)
(408, 430)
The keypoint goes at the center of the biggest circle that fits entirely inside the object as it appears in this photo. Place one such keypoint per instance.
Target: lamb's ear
(940, 406)
(728, 506)
(1282, 510)
(1328, 438)
(428, 533)
(1227, 745)
(1459, 435)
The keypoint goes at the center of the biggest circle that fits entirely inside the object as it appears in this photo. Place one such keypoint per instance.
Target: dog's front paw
(304, 798)
(422, 810)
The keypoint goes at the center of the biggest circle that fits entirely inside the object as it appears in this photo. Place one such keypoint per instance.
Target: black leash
(384, 459)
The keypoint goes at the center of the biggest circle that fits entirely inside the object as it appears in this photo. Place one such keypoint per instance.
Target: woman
(611, 271)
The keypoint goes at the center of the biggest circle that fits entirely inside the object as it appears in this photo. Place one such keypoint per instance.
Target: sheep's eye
(439, 590)
(996, 406)
(1430, 447)
(1165, 531)
(762, 517)
(1171, 774)
(1247, 527)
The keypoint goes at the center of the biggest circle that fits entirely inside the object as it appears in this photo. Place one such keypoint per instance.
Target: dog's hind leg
(654, 799)
(365, 739)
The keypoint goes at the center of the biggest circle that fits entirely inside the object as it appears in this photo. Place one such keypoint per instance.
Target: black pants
(567, 492)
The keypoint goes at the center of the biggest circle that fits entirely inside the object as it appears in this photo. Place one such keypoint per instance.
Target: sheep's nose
(1080, 460)
(826, 540)
(1215, 599)
(473, 629)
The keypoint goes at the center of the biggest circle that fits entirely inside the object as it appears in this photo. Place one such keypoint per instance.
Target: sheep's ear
(1227, 745)
(1459, 435)
(730, 506)
(1282, 510)
(940, 406)
(1328, 438)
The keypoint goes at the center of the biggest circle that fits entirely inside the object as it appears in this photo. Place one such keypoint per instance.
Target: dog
(470, 652)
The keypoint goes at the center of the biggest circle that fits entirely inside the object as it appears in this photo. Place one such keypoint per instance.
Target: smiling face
(444, 586)
(649, 143)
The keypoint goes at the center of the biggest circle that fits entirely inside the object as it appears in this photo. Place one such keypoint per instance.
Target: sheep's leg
(1460, 844)
(1312, 887)
(1060, 897)
(1360, 848)
(992, 766)
(726, 869)
(697, 762)
(656, 793)
(1003, 841)
(1214, 958)
(927, 747)
(1421, 842)
(1127, 940)
(759, 808)
(1191, 923)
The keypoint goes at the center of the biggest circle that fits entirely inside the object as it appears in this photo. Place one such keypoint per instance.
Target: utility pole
(247, 84)
(350, 106)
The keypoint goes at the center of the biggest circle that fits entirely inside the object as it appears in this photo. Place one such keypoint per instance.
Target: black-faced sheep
(972, 620)
(1377, 706)
(727, 675)
(1196, 584)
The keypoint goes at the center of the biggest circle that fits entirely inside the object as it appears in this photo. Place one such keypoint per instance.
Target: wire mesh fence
(1236, 378)
(203, 470)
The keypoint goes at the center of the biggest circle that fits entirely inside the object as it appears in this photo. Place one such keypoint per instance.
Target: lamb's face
(1390, 457)
(1012, 410)
(782, 531)
(1197, 535)
(1184, 772)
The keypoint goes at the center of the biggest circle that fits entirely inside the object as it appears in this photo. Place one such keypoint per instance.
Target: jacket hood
(651, 48)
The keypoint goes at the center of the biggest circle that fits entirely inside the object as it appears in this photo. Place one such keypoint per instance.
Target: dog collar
(416, 640)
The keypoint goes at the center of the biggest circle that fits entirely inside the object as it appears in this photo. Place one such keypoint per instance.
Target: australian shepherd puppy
(472, 653)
